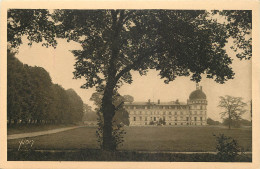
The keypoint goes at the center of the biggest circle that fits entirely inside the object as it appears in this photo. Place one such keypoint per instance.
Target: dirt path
(39, 133)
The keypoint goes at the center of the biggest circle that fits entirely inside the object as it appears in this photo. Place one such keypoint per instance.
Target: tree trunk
(229, 121)
(107, 107)
(108, 110)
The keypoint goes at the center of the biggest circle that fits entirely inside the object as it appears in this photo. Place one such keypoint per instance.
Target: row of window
(166, 113)
(175, 119)
(199, 101)
(146, 123)
(166, 107)
(156, 107)
(201, 107)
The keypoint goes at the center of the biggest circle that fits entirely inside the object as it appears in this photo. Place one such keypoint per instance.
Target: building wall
(192, 113)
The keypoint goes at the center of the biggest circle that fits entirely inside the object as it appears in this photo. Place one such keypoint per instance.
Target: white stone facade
(174, 113)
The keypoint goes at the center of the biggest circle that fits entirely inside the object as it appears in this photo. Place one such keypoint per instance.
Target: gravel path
(39, 133)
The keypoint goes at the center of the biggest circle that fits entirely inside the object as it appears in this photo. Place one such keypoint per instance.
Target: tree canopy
(33, 98)
(116, 42)
(233, 107)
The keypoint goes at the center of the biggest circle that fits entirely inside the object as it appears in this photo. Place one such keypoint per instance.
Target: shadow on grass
(98, 155)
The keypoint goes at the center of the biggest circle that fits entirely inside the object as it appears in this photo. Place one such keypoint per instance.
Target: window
(163, 118)
(187, 118)
(200, 118)
(181, 123)
(195, 112)
(134, 119)
(170, 124)
(181, 113)
(175, 113)
(201, 107)
(145, 123)
(151, 118)
(170, 117)
(175, 119)
(140, 118)
(170, 113)
(154, 118)
(195, 118)
(140, 112)
(175, 123)
(145, 118)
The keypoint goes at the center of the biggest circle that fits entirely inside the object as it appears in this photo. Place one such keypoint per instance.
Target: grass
(186, 139)
(98, 155)
(18, 129)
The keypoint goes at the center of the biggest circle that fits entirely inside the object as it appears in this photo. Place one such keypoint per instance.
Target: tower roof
(197, 94)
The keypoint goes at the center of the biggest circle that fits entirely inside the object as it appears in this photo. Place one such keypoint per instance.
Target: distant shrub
(151, 123)
(117, 134)
(212, 122)
(227, 147)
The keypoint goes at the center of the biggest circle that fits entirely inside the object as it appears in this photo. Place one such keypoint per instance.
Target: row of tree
(33, 98)
(233, 123)
(117, 42)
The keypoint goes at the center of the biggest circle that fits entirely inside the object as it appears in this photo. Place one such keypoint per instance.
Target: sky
(60, 62)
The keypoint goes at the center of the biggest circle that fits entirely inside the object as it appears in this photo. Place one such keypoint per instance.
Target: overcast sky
(59, 63)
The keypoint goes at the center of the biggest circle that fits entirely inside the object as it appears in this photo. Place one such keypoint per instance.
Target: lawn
(188, 139)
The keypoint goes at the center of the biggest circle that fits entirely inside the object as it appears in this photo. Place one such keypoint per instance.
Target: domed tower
(197, 103)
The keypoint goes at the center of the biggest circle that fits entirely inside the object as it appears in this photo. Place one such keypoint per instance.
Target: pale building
(194, 112)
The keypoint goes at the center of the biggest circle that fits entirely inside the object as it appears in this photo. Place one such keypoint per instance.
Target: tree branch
(129, 67)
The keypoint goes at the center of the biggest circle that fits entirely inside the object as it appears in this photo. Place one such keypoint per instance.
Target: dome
(197, 94)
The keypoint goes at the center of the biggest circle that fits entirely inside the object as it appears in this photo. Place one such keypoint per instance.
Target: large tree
(116, 42)
(121, 114)
(233, 107)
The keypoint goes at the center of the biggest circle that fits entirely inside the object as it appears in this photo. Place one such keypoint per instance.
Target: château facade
(175, 113)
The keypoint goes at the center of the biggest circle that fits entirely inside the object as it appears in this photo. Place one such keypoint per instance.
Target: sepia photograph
(129, 85)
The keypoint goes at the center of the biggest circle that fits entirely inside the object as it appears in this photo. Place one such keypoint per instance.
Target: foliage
(116, 42)
(117, 134)
(237, 123)
(212, 122)
(121, 115)
(239, 26)
(89, 114)
(34, 24)
(33, 98)
(161, 122)
(234, 108)
(151, 123)
(227, 147)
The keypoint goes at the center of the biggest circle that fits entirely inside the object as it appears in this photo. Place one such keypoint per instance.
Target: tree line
(32, 98)
(117, 42)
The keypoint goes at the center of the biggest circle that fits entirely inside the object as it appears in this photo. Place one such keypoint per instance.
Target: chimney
(201, 88)
(197, 86)
(158, 101)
